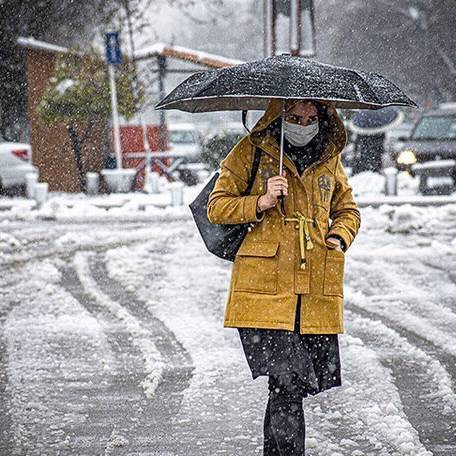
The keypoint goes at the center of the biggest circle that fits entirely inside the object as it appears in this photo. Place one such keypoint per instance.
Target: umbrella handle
(282, 203)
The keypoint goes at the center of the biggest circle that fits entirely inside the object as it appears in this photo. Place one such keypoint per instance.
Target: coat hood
(337, 134)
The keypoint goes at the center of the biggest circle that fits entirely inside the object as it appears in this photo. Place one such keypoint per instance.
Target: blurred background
(164, 41)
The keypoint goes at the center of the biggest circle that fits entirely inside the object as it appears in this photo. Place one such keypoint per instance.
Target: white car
(15, 163)
(184, 141)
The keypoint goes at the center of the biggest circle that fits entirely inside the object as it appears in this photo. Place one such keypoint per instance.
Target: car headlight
(406, 157)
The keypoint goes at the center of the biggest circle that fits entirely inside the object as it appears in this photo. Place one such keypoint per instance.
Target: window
(182, 137)
(436, 127)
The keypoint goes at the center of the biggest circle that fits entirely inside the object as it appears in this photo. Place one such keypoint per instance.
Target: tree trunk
(77, 144)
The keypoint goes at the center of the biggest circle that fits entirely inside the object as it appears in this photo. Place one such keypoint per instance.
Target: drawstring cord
(305, 241)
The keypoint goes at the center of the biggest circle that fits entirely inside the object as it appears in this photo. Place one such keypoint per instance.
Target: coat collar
(337, 136)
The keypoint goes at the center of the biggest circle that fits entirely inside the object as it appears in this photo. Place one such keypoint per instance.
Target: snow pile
(370, 184)
(367, 183)
(64, 85)
(8, 242)
(406, 184)
(408, 219)
(116, 441)
(405, 218)
(425, 219)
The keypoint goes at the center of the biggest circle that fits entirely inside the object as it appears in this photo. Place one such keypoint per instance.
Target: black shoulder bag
(222, 240)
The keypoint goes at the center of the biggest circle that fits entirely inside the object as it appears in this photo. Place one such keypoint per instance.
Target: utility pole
(269, 15)
(300, 14)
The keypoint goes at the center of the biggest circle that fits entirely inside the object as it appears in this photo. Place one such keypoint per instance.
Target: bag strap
(255, 165)
(244, 120)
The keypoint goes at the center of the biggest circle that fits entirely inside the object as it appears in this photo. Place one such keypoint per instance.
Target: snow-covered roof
(187, 54)
(166, 50)
(32, 43)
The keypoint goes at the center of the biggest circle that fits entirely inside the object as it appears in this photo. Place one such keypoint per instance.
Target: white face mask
(300, 135)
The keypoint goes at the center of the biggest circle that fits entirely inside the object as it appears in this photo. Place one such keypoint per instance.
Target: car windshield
(182, 137)
(436, 127)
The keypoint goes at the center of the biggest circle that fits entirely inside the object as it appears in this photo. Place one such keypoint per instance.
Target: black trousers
(284, 423)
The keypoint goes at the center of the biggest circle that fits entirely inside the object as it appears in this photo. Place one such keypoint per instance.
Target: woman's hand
(275, 186)
(334, 243)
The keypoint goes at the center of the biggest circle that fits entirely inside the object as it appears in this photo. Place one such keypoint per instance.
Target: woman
(286, 289)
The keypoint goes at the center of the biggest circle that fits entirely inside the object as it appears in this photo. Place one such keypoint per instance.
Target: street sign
(112, 47)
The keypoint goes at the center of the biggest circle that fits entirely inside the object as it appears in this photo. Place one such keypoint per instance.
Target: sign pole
(113, 57)
(147, 158)
(115, 117)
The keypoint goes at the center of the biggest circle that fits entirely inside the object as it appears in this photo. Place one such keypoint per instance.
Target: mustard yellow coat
(283, 257)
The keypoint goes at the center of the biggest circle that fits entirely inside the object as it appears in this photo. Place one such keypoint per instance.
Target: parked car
(430, 151)
(185, 146)
(184, 141)
(15, 163)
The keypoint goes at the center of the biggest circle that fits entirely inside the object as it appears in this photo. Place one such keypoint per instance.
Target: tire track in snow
(222, 410)
(165, 390)
(416, 340)
(164, 339)
(119, 400)
(400, 291)
(423, 384)
(48, 371)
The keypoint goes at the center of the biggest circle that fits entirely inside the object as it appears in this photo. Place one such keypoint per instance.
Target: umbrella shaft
(281, 137)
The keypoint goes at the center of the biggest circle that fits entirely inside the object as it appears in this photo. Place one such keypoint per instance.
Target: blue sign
(112, 44)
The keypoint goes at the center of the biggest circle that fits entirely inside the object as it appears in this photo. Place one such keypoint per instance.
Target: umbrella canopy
(375, 122)
(251, 85)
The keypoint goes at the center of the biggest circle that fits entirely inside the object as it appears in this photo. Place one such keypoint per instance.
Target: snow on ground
(44, 332)
(8, 242)
(68, 207)
(398, 351)
(152, 359)
(368, 401)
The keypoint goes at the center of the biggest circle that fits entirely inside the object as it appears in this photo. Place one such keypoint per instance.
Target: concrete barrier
(390, 174)
(177, 193)
(92, 183)
(30, 180)
(41, 192)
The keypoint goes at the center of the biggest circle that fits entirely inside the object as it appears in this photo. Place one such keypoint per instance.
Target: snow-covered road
(112, 343)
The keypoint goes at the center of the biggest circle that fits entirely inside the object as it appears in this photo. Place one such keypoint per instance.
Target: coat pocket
(257, 267)
(334, 273)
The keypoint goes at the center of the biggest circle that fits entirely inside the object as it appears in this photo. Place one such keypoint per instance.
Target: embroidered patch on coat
(325, 187)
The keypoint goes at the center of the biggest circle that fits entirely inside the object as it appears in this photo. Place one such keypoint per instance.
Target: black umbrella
(374, 122)
(251, 85)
